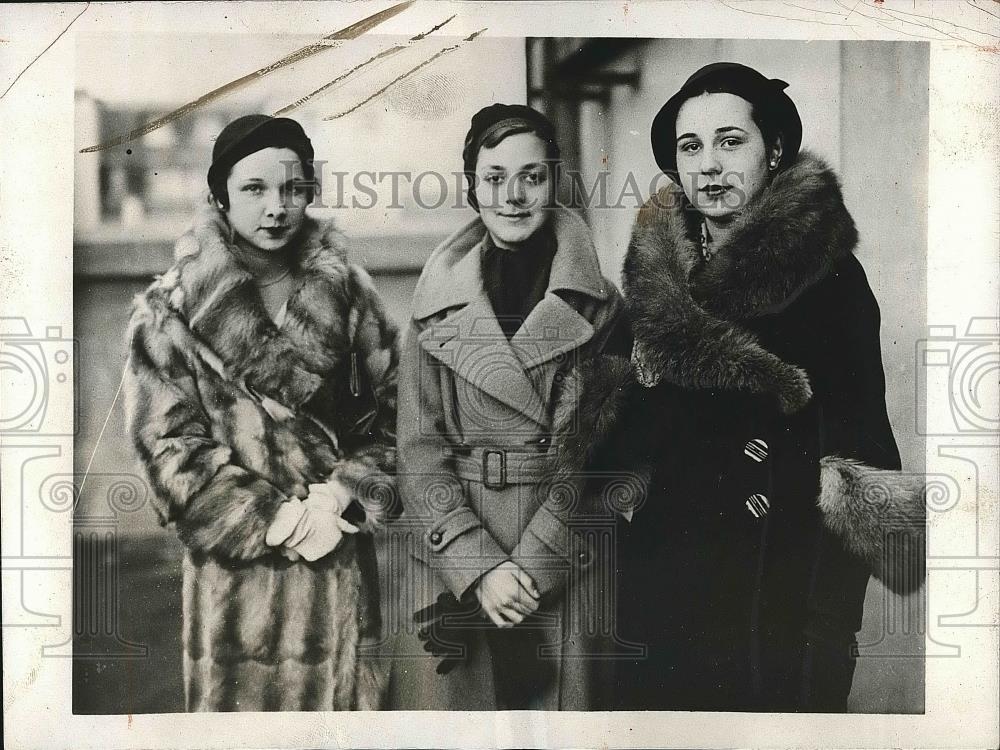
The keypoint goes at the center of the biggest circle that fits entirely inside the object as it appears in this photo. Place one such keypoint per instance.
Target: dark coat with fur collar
(761, 440)
(229, 414)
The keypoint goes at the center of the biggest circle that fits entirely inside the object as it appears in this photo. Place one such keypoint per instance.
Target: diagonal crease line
(935, 20)
(380, 56)
(97, 443)
(969, 2)
(790, 18)
(888, 27)
(39, 55)
(813, 10)
(407, 74)
(917, 24)
(350, 32)
(921, 25)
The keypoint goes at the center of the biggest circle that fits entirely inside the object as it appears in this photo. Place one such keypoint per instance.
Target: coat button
(756, 449)
(436, 537)
(758, 505)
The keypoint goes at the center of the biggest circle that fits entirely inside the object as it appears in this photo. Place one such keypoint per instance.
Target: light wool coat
(229, 414)
(464, 388)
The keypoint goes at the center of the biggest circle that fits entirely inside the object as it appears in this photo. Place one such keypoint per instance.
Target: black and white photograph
(425, 357)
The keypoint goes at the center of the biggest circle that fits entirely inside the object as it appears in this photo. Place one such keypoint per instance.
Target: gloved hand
(318, 531)
(311, 528)
(284, 523)
(507, 594)
(330, 495)
(447, 627)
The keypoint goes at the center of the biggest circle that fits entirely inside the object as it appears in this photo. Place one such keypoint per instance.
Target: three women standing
(749, 397)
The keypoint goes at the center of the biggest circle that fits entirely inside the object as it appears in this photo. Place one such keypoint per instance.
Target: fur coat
(230, 415)
(752, 417)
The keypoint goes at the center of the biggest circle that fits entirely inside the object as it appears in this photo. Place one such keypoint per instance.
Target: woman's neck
(541, 239)
(265, 266)
(719, 232)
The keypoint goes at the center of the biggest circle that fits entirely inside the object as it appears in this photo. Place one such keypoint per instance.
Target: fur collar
(215, 296)
(685, 312)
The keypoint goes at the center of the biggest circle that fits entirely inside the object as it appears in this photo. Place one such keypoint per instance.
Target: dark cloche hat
(771, 105)
(251, 133)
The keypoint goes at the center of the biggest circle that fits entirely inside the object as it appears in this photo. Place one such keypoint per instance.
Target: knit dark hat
(247, 135)
(492, 124)
(771, 104)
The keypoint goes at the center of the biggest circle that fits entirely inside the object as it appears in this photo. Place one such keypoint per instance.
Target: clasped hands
(312, 527)
(507, 594)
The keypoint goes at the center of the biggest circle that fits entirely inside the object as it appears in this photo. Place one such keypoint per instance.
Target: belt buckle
(486, 469)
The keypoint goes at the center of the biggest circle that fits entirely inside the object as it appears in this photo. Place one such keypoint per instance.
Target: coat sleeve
(549, 544)
(369, 464)
(854, 426)
(218, 506)
(852, 384)
(456, 544)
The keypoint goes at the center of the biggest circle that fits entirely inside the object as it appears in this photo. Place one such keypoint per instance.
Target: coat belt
(495, 468)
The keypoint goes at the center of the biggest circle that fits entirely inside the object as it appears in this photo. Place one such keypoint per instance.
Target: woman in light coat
(497, 582)
(261, 403)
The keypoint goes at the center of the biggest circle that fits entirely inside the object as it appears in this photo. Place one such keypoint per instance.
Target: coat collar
(469, 336)
(685, 312)
(453, 276)
(210, 289)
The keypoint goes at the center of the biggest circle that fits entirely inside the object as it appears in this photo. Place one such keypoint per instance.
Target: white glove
(318, 531)
(330, 495)
(285, 521)
(311, 528)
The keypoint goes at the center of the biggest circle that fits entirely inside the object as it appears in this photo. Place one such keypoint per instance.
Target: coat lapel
(471, 344)
(552, 328)
(469, 341)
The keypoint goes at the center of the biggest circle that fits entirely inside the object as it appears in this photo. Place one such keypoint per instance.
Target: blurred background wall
(863, 106)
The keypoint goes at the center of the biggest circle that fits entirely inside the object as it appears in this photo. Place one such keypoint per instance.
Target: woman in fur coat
(261, 402)
(753, 407)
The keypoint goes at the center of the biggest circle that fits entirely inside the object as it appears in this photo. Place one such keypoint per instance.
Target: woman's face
(268, 194)
(722, 160)
(514, 188)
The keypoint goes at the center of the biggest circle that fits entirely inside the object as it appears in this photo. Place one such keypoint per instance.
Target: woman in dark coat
(261, 403)
(502, 310)
(754, 408)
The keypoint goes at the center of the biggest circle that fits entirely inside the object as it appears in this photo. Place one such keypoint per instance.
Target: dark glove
(447, 628)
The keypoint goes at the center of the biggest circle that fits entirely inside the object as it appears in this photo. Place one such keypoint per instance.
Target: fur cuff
(588, 412)
(593, 396)
(373, 489)
(880, 515)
